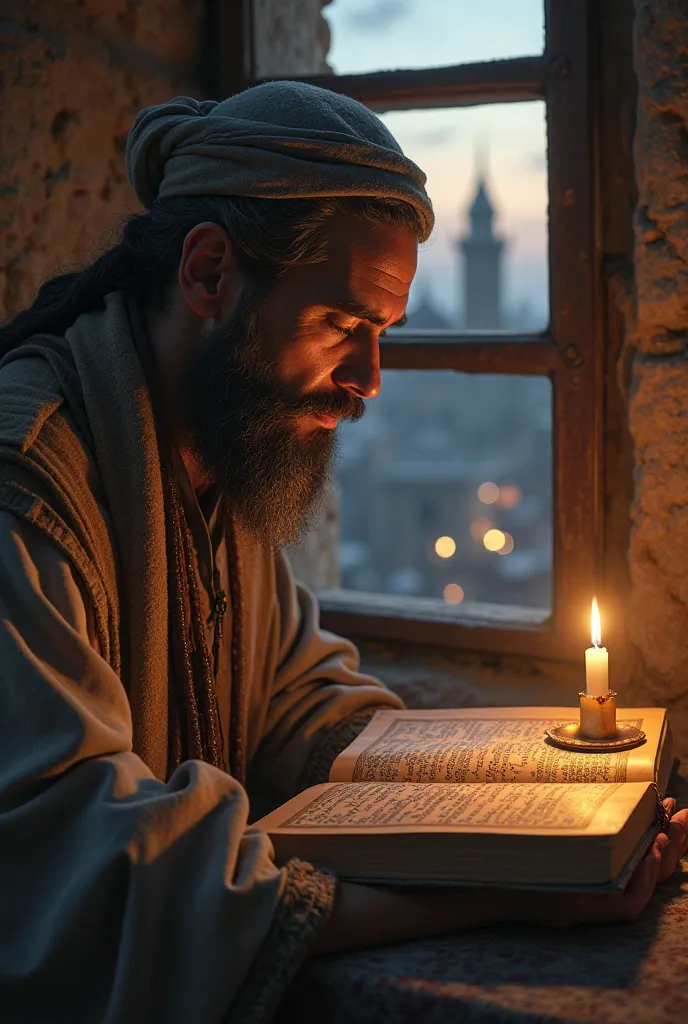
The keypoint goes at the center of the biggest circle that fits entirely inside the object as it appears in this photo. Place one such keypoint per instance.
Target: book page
(489, 745)
(556, 808)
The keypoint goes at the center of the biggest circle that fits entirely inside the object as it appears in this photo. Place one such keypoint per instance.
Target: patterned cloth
(634, 973)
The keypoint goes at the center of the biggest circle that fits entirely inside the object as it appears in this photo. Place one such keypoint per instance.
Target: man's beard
(244, 430)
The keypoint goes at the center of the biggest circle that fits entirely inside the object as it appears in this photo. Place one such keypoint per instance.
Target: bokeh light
(445, 546)
(494, 540)
(479, 528)
(508, 546)
(488, 493)
(509, 495)
(453, 593)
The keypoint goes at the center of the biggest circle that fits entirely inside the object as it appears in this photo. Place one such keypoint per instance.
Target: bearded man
(167, 423)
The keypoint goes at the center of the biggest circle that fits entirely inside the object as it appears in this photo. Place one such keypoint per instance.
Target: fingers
(682, 817)
(668, 855)
(669, 805)
(671, 844)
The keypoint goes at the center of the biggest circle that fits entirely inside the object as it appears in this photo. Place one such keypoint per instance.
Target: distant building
(482, 266)
(426, 316)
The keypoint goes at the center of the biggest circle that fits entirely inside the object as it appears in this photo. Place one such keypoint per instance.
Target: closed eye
(345, 332)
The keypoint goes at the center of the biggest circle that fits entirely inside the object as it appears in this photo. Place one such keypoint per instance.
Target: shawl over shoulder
(157, 900)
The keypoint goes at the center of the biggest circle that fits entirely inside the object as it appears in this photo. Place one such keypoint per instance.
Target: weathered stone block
(659, 538)
(72, 78)
(661, 157)
(658, 403)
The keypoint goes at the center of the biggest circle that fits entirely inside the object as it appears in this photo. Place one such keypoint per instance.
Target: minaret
(482, 264)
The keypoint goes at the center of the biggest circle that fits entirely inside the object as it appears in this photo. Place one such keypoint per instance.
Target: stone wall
(291, 38)
(73, 75)
(658, 555)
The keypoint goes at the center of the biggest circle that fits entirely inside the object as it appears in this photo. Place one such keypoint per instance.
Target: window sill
(508, 629)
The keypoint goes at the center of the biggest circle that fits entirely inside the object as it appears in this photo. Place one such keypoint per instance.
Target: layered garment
(128, 896)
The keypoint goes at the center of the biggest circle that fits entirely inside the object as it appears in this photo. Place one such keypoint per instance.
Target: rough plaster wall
(658, 556)
(72, 76)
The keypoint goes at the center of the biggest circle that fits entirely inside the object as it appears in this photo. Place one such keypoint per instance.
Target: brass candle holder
(597, 731)
(598, 716)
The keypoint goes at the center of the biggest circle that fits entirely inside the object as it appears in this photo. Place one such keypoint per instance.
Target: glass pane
(486, 265)
(446, 490)
(378, 35)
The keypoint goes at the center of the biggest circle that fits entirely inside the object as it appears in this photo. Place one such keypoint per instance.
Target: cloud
(433, 138)
(378, 14)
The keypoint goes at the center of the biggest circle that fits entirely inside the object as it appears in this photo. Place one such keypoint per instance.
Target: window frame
(569, 352)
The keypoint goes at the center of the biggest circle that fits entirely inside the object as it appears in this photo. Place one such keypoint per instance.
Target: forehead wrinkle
(377, 292)
(390, 282)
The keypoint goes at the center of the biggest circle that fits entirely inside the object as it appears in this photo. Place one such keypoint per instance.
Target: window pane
(485, 266)
(446, 490)
(377, 35)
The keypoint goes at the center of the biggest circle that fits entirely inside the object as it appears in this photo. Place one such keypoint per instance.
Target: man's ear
(209, 278)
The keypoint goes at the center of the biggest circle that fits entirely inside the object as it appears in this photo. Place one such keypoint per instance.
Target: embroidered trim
(303, 910)
(335, 740)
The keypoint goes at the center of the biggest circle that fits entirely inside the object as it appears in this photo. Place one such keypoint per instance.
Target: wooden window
(568, 352)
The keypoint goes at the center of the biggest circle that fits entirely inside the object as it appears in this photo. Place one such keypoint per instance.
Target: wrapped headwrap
(279, 140)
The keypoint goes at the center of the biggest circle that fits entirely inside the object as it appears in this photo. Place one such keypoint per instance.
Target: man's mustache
(341, 404)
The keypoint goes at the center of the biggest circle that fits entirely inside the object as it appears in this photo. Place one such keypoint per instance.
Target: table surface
(634, 973)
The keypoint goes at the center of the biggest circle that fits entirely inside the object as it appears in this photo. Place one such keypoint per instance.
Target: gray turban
(279, 140)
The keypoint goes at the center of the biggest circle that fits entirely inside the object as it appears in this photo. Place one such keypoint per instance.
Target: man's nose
(359, 371)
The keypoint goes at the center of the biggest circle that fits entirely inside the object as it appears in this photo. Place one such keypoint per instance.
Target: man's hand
(677, 836)
(366, 916)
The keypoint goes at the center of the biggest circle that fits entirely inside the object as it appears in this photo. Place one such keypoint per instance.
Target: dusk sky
(509, 139)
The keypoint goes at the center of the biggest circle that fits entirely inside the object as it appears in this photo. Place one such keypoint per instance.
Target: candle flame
(595, 626)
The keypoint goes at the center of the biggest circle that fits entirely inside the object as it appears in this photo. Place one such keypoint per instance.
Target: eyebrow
(361, 312)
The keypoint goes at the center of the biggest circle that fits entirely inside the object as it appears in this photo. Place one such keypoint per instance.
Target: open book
(479, 796)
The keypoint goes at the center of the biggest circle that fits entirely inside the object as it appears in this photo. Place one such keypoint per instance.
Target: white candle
(596, 659)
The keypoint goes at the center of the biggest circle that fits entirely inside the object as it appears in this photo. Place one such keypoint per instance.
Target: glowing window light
(479, 528)
(445, 546)
(488, 493)
(494, 540)
(508, 545)
(509, 495)
(453, 593)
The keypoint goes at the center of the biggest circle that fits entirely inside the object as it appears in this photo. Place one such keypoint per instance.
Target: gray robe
(127, 897)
